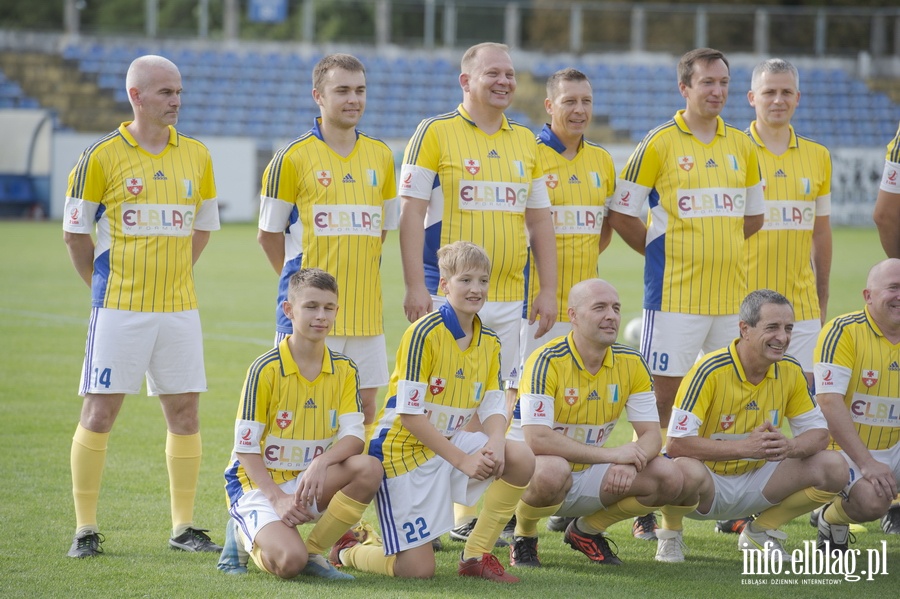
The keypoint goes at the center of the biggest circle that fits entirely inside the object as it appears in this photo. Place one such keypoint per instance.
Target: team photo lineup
(751, 404)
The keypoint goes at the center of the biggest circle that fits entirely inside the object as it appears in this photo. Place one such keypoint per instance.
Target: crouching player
(858, 384)
(726, 438)
(573, 391)
(447, 373)
(298, 444)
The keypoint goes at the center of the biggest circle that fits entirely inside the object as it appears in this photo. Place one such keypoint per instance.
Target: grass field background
(43, 316)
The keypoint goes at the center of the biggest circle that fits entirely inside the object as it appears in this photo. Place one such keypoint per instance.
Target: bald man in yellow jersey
(150, 193)
(701, 178)
(725, 435)
(574, 391)
(887, 204)
(858, 387)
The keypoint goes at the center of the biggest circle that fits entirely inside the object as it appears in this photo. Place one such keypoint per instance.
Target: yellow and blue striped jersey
(716, 401)
(433, 376)
(145, 208)
(698, 194)
(578, 190)
(890, 178)
(855, 359)
(332, 210)
(290, 420)
(556, 390)
(477, 187)
(797, 190)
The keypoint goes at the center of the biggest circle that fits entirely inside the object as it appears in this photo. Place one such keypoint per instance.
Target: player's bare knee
(830, 471)
(669, 479)
(864, 504)
(413, 568)
(520, 464)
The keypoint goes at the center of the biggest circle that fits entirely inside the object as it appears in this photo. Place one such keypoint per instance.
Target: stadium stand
(265, 94)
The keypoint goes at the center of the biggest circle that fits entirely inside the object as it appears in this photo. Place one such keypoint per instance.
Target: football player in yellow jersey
(726, 438)
(792, 253)
(447, 372)
(298, 442)
(701, 177)
(580, 178)
(150, 193)
(474, 175)
(857, 377)
(574, 390)
(327, 196)
(887, 204)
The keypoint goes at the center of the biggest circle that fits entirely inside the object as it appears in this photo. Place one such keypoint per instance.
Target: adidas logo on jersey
(159, 176)
(894, 367)
(780, 173)
(459, 374)
(310, 403)
(493, 154)
(711, 163)
(348, 178)
(752, 406)
(574, 179)
(593, 395)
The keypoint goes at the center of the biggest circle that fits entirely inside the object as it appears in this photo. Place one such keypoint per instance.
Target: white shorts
(671, 341)
(583, 498)
(528, 343)
(369, 353)
(504, 319)
(739, 496)
(803, 342)
(123, 346)
(253, 511)
(889, 456)
(417, 507)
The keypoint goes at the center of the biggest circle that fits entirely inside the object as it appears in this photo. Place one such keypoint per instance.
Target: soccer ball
(632, 333)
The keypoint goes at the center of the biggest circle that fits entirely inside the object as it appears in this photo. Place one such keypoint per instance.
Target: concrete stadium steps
(59, 85)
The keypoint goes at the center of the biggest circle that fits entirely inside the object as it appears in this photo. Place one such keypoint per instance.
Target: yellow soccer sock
(183, 454)
(673, 515)
(528, 516)
(464, 513)
(369, 558)
(599, 521)
(342, 513)
(88, 456)
(370, 430)
(500, 502)
(799, 502)
(835, 514)
(256, 556)
(663, 435)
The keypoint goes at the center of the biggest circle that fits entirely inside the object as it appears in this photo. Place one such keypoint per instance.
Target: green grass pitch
(43, 315)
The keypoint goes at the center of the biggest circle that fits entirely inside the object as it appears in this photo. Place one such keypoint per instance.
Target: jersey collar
(679, 122)
(771, 373)
(549, 138)
(608, 359)
(289, 367)
(123, 131)
(465, 115)
(872, 323)
(793, 143)
(317, 130)
(451, 321)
